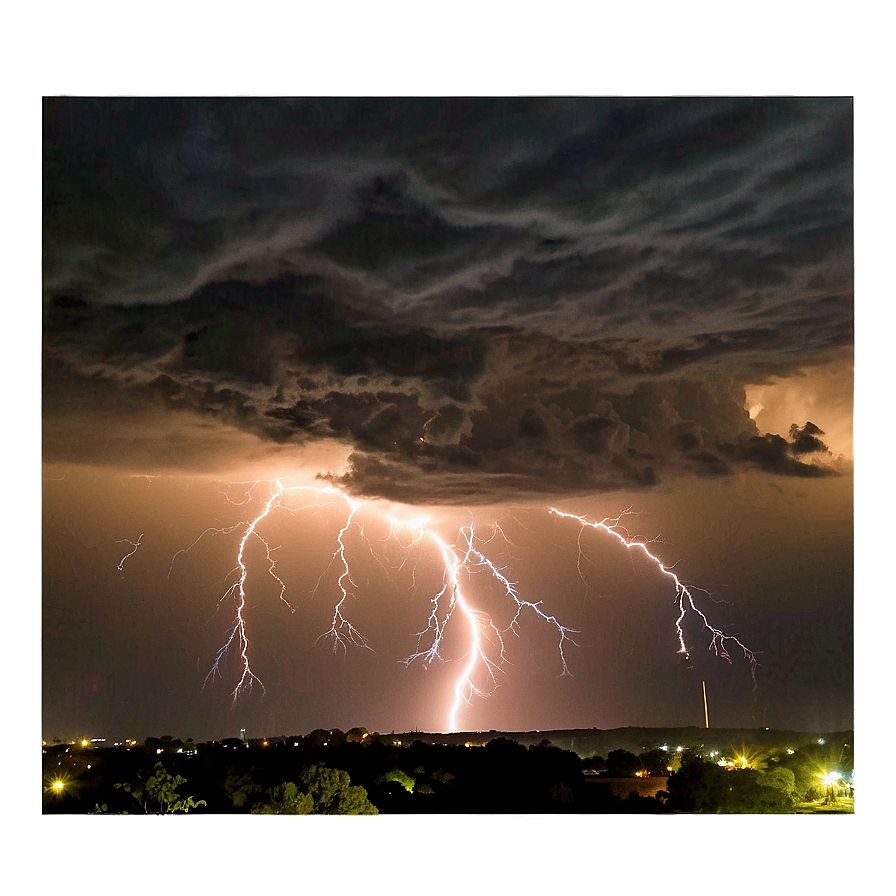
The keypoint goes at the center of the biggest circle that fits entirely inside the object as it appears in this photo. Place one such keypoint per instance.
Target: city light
(56, 786)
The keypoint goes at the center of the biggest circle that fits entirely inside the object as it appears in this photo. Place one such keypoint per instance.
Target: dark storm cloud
(805, 440)
(478, 297)
(774, 455)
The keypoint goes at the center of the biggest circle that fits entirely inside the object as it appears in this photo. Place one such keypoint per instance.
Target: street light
(56, 787)
(830, 779)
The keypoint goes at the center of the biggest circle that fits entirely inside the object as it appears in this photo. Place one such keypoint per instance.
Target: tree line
(356, 773)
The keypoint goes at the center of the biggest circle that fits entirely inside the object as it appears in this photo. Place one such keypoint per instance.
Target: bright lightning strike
(342, 633)
(484, 656)
(237, 591)
(133, 544)
(482, 629)
(684, 598)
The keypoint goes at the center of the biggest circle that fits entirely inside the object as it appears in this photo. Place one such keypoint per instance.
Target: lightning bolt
(683, 594)
(133, 544)
(484, 657)
(342, 633)
(237, 591)
(481, 628)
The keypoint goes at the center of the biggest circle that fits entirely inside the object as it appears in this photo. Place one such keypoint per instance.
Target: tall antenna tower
(705, 707)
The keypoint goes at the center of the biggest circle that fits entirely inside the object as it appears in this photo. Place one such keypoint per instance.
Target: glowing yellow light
(58, 785)
(84, 743)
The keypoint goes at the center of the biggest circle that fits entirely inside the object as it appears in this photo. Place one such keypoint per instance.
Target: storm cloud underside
(474, 301)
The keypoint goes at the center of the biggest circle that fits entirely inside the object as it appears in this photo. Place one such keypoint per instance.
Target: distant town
(330, 771)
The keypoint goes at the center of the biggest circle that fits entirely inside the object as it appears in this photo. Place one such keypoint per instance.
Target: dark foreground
(332, 772)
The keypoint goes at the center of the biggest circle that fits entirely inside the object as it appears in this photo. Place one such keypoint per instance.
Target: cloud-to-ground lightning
(237, 591)
(482, 629)
(451, 604)
(341, 632)
(134, 545)
(683, 593)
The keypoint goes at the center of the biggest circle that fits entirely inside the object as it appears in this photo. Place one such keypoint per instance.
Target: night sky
(470, 311)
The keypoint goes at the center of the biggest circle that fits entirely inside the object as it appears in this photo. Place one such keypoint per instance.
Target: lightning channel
(719, 640)
(134, 545)
(342, 633)
(451, 606)
(485, 652)
(237, 592)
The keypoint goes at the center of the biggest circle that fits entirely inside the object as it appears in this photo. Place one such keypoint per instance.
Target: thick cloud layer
(479, 298)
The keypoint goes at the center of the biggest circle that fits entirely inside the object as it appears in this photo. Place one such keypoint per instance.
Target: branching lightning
(484, 656)
(683, 594)
(480, 626)
(237, 592)
(342, 633)
(482, 629)
(133, 544)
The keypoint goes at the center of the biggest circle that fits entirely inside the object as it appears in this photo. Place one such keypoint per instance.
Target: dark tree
(700, 786)
(655, 761)
(333, 793)
(286, 799)
(622, 764)
(594, 764)
(157, 793)
(356, 735)
(317, 738)
(319, 791)
(243, 789)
